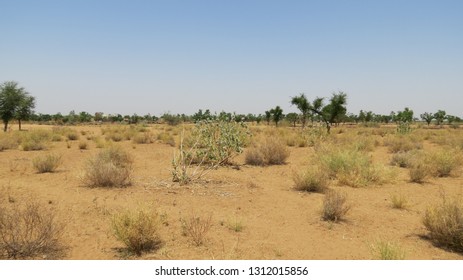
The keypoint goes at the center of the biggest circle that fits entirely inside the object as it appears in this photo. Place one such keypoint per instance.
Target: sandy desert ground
(255, 211)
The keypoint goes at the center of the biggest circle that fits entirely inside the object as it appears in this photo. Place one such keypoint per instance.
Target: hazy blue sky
(243, 56)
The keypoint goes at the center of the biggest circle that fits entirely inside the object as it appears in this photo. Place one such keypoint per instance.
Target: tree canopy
(15, 103)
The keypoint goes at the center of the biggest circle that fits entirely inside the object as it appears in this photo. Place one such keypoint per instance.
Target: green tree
(25, 109)
(15, 102)
(332, 113)
(427, 117)
(84, 117)
(277, 114)
(303, 105)
(268, 116)
(405, 116)
(440, 116)
(292, 118)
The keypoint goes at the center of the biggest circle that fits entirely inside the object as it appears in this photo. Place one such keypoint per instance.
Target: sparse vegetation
(143, 138)
(46, 163)
(335, 206)
(211, 144)
(444, 223)
(35, 140)
(137, 230)
(235, 224)
(401, 143)
(83, 145)
(270, 151)
(196, 228)
(352, 167)
(402, 159)
(419, 172)
(445, 163)
(387, 250)
(312, 180)
(399, 201)
(30, 232)
(111, 167)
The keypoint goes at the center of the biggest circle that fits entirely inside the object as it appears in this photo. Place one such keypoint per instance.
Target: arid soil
(276, 221)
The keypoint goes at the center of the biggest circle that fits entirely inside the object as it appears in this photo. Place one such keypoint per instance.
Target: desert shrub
(138, 231)
(166, 138)
(352, 167)
(445, 163)
(9, 141)
(315, 135)
(46, 163)
(196, 228)
(216, 142)
(254, 157)
(419, 172)
(270, 151)
(83, 145)
(387, 250)
(99, 142)
(35, 140)
(401, 143)
(29, 232)
(119, 133)
(72, 135)
(313, 180)
(111, 167)
(363, 143)
(335, 206)
(445, 224)
(143, 138)
(210, 145)
(56, 137)
(403, 159)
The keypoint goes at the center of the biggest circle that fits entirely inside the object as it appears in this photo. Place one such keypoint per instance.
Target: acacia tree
(440, 116)
(25, 109)
(277, 114)
(268, 116)
(14, 102)
(405, 116)
(427, 117)
(292, 118)
(303, 105)
(332, 112)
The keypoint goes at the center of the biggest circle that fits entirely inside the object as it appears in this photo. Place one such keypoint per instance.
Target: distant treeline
(293, 119)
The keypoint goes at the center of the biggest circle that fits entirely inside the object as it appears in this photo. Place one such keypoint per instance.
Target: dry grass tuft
(445, 163)
(313, 180)
(143, 138)
(399, 202)
(445, 224)
(387, 250)
(46, 163)
(196, 228)
(111, 167)
(271, 151)
(137, 230)
(335, 206)
(29, 232)
(352, 167)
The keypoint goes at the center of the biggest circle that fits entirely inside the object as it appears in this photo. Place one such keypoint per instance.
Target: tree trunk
(19, 122)
(6, 126)
(328, 127)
